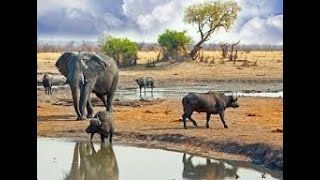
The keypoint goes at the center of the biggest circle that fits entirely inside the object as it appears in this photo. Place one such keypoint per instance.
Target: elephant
(86, 73)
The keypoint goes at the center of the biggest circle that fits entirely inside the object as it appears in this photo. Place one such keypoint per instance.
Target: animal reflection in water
(146, 96)
(87, 164)
(208, 171)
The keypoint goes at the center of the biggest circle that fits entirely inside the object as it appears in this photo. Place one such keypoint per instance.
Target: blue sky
(259, 22)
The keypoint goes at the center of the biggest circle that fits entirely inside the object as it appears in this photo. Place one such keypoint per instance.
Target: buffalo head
(233, 101)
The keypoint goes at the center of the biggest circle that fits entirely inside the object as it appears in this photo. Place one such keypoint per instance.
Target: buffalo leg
(102, 137)
(208, 119)
(91, 136)
(110, 137)
(222, 119)
(184, 116)
(193, 121)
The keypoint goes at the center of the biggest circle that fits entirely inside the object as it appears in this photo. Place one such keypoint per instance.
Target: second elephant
(86, 73)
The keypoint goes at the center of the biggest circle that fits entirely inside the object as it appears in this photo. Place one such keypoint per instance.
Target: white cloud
(143, 20)
(152, 15)
(263, 31)
(44, 6)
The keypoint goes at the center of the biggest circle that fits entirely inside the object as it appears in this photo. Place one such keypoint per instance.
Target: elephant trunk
(75, 96)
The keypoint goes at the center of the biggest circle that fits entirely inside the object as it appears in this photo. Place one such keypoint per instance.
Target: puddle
(62, 159)
(172, 92)
(164, 93)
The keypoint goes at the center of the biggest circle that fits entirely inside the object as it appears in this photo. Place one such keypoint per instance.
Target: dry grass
(145, 56)
(269, 66)
(47, 60)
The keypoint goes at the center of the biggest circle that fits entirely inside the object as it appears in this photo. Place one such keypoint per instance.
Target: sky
(259, 22)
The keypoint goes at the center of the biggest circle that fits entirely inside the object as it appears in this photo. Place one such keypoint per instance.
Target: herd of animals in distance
(99, 74)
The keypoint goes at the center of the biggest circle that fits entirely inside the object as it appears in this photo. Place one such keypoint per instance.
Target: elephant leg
(75, 92)
(89, 107)
(84, 95)
(103, 99)
(109, 102)
(184, 159)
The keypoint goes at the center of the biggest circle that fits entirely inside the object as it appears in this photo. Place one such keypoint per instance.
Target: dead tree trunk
(224, 50)
(195, 52)
(233, 57)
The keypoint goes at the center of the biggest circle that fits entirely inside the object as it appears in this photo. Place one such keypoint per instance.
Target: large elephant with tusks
(86, 73)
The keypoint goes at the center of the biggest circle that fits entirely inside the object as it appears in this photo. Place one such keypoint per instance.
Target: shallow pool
(63, 159)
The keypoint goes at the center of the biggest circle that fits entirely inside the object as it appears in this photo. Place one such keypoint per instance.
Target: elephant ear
(92, 64)
(62, 63)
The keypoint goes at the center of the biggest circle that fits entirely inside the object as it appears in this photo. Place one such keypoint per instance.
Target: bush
(122, 50)
(173, 42)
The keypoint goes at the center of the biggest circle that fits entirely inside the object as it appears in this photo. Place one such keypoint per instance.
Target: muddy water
(61, 159)
(164, 93)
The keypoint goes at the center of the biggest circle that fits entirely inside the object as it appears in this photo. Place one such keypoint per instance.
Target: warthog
(47, 84)
(145, 82)
(211, 103)
(103, 124)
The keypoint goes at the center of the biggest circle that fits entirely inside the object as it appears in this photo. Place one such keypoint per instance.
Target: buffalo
(210, 103)
(145, 82)
(47, 84)
(103, 124)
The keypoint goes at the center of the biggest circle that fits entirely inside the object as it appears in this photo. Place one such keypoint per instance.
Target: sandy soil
(255, 126)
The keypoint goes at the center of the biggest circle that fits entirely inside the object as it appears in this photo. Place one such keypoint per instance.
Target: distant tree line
(71, 46)
(142, 46)
(243, 47)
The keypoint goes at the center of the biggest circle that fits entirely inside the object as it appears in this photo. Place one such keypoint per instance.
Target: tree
(173, 42)
(210, 16)
(122, 50)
